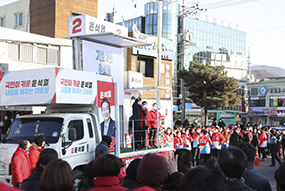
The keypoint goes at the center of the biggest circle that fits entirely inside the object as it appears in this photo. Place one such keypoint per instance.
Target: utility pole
(185, 36)
(183, 61)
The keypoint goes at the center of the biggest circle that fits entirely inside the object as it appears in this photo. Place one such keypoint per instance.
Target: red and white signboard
(85, 24)
(48, 86)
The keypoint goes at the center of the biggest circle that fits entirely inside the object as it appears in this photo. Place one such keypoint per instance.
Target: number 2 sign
(76, 25)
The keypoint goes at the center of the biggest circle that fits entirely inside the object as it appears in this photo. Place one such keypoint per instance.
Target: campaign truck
(72, 121)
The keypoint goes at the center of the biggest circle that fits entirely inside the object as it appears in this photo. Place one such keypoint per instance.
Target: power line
(266, 29)
(240, 2)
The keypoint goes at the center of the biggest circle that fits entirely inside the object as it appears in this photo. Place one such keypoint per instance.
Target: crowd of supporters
(205, 159)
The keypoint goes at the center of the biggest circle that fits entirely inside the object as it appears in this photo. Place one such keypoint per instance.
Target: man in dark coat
(252, 178)
(103, 147)
(232, 162)
(139, 124)
(221, 123)
(235, 137)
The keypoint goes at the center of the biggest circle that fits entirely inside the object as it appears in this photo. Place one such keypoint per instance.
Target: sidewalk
(267, 171)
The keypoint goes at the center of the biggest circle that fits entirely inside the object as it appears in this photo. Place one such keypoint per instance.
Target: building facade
(210, 42)
(16, 15)
(48, 18)
(267, 102)
(22, 51)
(214, 44)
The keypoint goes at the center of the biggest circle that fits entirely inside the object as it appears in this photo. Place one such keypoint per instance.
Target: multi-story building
(48, 18)
(16, 15)
(267, 102)
(21, 50)
(212, 43)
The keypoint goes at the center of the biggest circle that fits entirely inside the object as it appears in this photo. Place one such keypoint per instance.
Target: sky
(262, 20)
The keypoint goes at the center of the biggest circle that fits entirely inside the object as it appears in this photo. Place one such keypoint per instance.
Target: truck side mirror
(72, 134)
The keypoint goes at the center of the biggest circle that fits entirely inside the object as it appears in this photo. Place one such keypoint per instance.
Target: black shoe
(272, 165)
(154, 146)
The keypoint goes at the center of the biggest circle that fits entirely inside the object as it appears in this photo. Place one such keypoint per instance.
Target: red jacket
(34, 155)
(107, 183)
(196, 136)
(153, 116)
(7, 188)
(187, 140)
(167, 138)
(218, 137)
(20, 166)
(144, 188)
(178, 141)
(250, 135)
(203, 140)
(147, 117)
(262, 138)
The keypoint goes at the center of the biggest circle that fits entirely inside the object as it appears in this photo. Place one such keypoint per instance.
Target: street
(267, 171)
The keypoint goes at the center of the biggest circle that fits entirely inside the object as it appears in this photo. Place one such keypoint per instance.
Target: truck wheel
(78, 176)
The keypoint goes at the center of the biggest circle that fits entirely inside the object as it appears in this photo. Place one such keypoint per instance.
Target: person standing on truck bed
(20, 164)
(138, 117)
(153, 125)
(107, 126)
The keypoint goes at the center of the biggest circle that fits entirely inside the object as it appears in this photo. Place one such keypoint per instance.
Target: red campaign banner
(105, 90)
(112, 145)
(128, 139)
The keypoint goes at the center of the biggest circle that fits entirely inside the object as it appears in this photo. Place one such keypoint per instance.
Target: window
(90, 128)
(257, 102)
(145, 66)
(78, 125)
(2, 21)
(19, 19)
(72, 14)
(277, 101)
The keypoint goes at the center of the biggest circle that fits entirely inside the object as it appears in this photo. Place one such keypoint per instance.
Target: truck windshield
(28, 128)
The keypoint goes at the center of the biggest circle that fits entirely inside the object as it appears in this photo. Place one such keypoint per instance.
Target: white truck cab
(73, 135)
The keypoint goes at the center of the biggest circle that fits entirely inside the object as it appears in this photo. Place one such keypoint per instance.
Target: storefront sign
(167, 49)
(135, 79)
(85, 24)
(276, 111)
(258, 111)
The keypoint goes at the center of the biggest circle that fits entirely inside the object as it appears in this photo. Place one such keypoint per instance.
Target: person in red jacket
(178, 141)
(218, 139)
(262, 143)
(20, 164)
(107, 168)
(187, 140)
(168, 137)
(205, 146)
(36, 149)
(153, 125)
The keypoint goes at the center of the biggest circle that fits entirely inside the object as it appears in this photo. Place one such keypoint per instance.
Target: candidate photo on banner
(108, 124)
